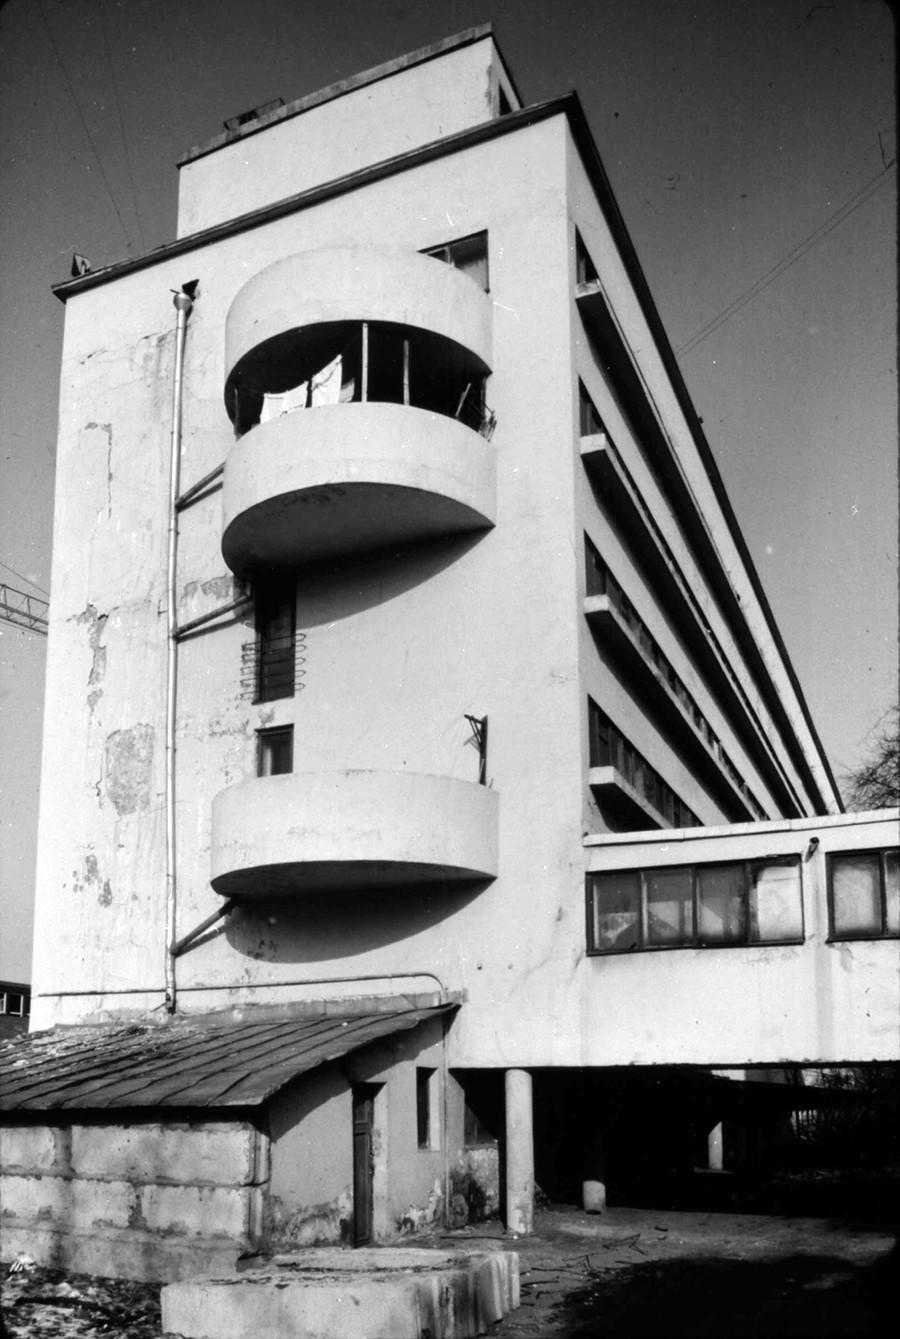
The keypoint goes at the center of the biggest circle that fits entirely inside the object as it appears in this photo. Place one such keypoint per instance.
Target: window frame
(696, 942)
(271, 680)
(447, 252)
(836, 937)
(264, 737)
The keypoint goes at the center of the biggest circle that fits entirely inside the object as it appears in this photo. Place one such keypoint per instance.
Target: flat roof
(814, 824)
(337, 90)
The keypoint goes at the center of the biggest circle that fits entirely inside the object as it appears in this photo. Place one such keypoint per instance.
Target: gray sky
(750, 144)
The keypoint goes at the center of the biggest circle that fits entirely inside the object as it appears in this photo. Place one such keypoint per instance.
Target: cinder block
(27, 1148)
(196, 1211)
(67, 1204)
(202, 1154)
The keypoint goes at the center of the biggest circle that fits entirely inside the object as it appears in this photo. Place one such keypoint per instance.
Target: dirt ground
(634, 1273)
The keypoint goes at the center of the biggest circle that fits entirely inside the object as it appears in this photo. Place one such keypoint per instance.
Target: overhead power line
(855, 202)
(84, 123)
(23, 577)
(118, 101)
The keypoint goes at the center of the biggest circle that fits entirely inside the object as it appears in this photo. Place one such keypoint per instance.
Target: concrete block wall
(144, 1200)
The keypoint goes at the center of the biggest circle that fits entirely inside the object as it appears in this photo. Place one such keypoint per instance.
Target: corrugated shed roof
(205, 1061)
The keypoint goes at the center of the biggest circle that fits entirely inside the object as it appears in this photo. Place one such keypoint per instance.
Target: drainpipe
(183, 305)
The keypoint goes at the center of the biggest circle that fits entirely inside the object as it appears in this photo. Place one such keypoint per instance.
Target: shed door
(363, 1160)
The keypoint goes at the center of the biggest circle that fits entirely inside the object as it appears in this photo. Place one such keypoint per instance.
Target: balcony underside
(329, 831)
(342, 479)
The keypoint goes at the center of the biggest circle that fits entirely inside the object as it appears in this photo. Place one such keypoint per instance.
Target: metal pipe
(188, 496)
(259, 985)
(198, 622)
(186, 940)
(183, 305)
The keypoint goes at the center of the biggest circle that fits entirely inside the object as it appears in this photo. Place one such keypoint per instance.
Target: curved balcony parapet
(352, 478)
(336, 285)
(311, 831)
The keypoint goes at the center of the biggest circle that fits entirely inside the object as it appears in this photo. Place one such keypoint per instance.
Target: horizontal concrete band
(352, 827)
(79, 1205)
(349, 478)
(125, 1253)
(359, 284)
(203, 1155)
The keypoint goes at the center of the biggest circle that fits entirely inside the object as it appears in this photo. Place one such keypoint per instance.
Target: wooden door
(363, 1161)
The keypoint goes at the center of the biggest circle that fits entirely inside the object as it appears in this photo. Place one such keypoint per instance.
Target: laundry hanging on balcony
(326, 387)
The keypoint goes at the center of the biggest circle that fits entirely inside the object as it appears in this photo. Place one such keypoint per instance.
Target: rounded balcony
(307, 832)
(356, 382)
(352, 478)
(336, 285)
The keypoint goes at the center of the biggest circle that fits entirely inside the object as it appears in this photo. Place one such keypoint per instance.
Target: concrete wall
(310, 1126)
(817, 1002)
(146, 1199)
(341, 135)
(395, 649)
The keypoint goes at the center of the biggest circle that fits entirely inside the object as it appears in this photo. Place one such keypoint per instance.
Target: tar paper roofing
(210, 1060)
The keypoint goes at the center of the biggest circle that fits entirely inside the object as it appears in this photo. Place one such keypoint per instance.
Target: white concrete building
(395, 590)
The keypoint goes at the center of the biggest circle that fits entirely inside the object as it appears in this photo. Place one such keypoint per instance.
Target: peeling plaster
(129, 767)
(96, 625)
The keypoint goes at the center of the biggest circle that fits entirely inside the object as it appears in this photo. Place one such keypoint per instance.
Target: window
(585, 269)
(275, 751)
(864, 894)
(15, 1003)
(503, 104)
(425, 1082)
(276, 606)
(469, 254)
(589, 421)
(608, 747)
(736, 903)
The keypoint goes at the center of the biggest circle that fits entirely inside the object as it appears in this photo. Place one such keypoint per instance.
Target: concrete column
(714, 1144)
(519, 1152)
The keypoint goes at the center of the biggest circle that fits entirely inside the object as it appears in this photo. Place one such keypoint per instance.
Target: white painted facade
(440, 574)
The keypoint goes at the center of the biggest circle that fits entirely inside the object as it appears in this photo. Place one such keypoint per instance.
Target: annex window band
(735, 903)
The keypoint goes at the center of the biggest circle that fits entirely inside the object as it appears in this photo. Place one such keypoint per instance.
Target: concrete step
(376, 1293)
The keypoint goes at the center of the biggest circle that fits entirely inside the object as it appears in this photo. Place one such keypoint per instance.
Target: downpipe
(183, 305)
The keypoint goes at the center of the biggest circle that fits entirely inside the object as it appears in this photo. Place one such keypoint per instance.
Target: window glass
(721, 905)
(590, 422)
(275, 629)
(856, 894)
(276, 751)
(776, 902)
(617, 910)
(670, 913)
(891, 893)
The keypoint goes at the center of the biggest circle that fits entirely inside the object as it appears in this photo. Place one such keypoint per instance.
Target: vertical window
(721, 904)
(670, 907)
(865, 894)
(469, 254)
(616, 912)
(276, 605)
(585, 269)
(425, 1083)
(589, 421)
(275, 751)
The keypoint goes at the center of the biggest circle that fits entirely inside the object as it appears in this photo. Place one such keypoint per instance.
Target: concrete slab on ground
(377, 1293)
